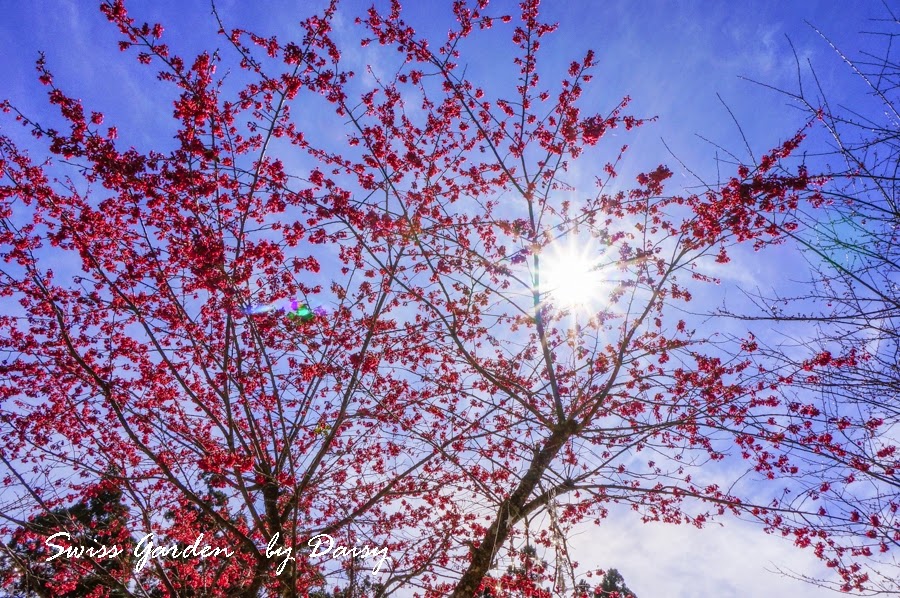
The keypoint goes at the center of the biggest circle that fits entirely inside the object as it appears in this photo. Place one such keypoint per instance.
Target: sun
(570, 276)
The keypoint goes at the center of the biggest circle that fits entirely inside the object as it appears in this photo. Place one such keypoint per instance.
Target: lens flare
(293, 309)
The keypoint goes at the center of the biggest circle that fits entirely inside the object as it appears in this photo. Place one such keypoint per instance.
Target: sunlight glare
(570, 276)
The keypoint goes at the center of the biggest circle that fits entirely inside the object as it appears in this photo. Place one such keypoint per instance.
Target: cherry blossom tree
(457, 399)
(849, 307)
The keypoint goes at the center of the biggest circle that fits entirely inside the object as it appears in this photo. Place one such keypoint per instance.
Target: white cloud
(736, 560)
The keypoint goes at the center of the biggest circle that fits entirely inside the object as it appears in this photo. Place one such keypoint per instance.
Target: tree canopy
(435, 398)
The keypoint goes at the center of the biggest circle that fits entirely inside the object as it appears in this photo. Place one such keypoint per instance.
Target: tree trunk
(509, 513)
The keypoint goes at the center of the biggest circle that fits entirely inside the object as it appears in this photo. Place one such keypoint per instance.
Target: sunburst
(570, 276)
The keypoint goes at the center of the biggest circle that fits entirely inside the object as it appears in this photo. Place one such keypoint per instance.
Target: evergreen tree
(613, 586)
(92, 523)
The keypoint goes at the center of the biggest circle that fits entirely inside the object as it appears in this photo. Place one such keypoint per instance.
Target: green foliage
(612, 585)
(101, 520)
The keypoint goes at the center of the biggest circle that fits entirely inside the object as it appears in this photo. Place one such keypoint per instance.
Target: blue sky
(671, 58)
